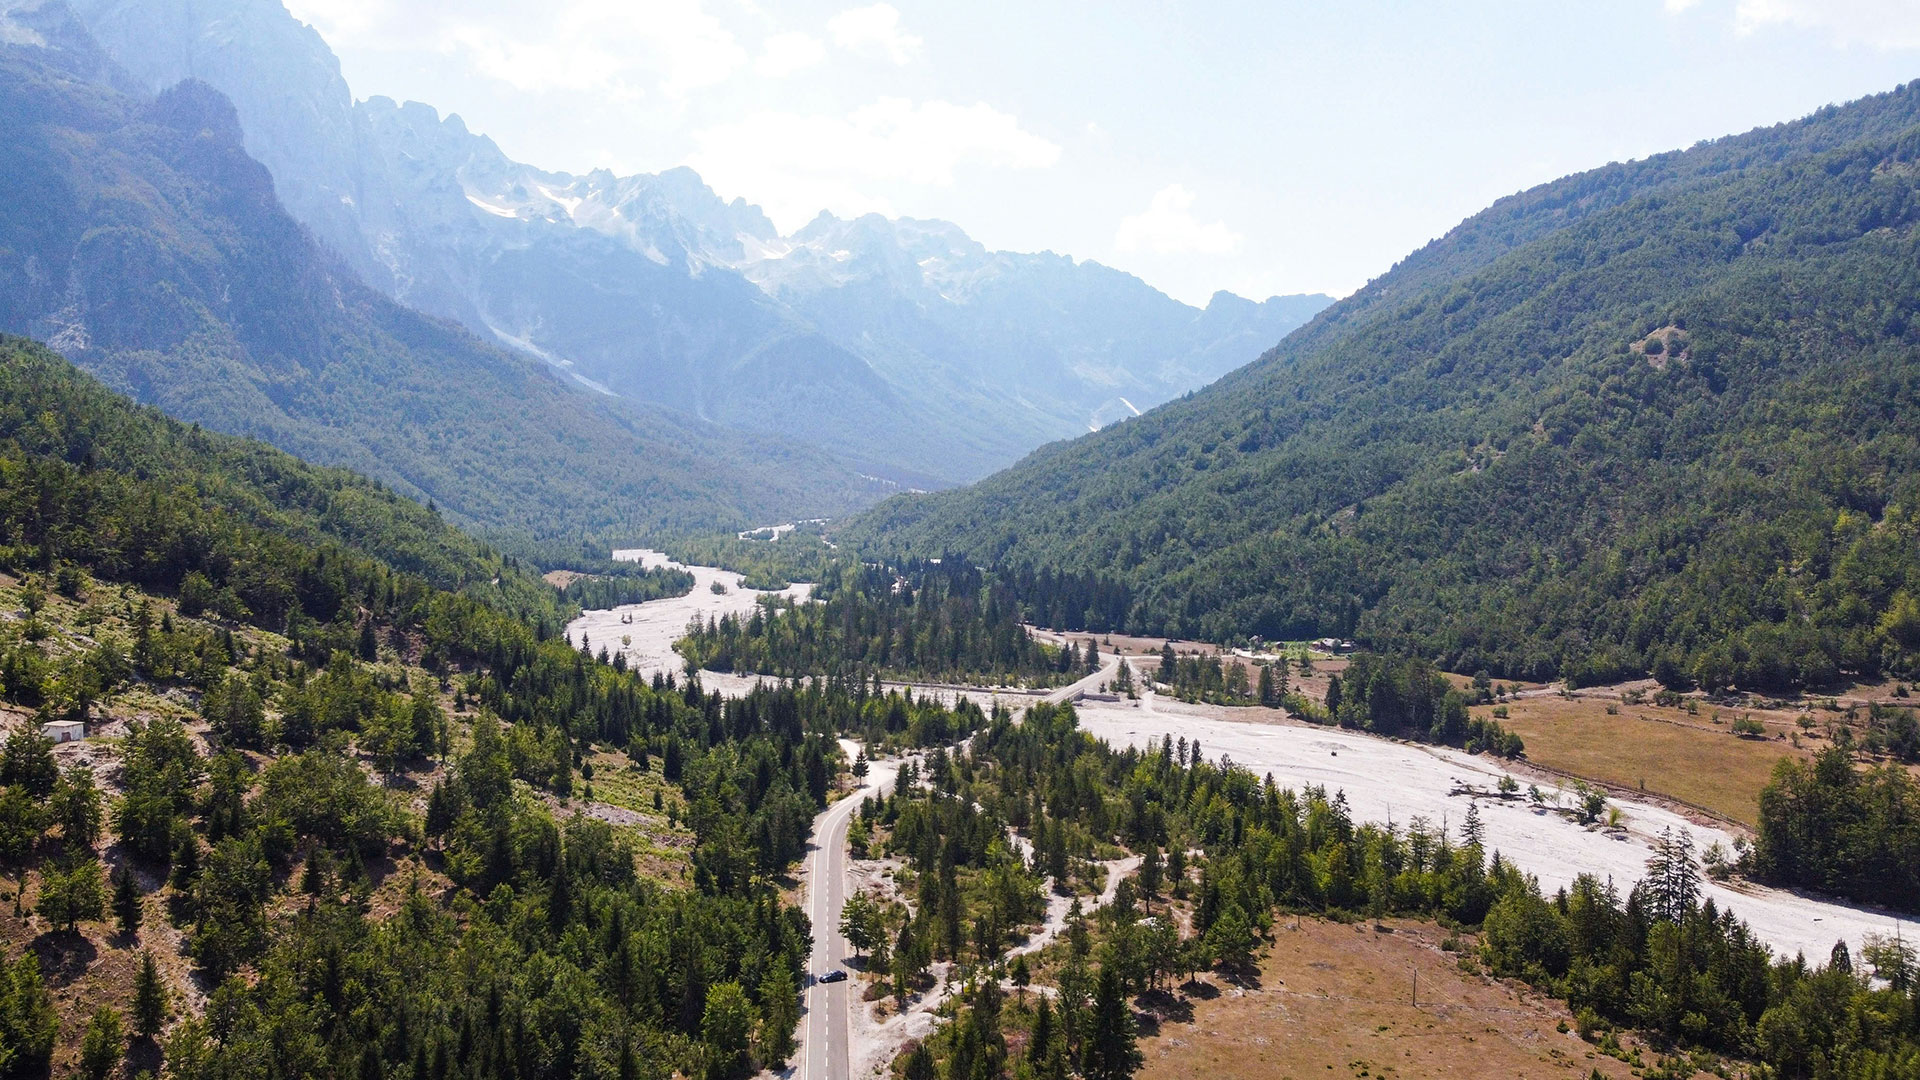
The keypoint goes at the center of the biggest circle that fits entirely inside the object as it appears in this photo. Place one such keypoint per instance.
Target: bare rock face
(902, 345)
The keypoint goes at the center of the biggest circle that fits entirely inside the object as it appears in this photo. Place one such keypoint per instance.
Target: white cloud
(796, 164)
(784, 54)
(1883, 24)
(1168, 227)
(1880, 24)
(874, 29)
(342, 20)
(624, 48)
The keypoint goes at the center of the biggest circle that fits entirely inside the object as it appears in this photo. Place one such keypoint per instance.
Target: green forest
(1654, 957)
(371, 862)
(1659, 417)
(936, 620)
(1829, 826)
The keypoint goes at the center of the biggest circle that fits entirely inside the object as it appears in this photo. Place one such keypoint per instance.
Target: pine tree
(920, 1064)
(1473, 832)
(1042, 1039)
(76, 808)
(1151, 867)
(126, 901)
(101, 1049)
(1110, 1051)
(781, 1000)
(149, 998)
(1673, 877)
(70, 895)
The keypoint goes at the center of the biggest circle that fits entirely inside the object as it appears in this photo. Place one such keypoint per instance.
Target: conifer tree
(149, 998)
(126, 901)
(1110, 1051)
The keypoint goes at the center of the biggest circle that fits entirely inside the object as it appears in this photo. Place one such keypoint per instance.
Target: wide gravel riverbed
(1396, 781)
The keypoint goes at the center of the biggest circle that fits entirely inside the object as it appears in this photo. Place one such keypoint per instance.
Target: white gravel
(1383, 780)
(1392, 781)
(657, 624)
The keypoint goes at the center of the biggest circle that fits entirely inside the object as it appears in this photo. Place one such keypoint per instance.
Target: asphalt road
(824, 1047)
(825, 1043)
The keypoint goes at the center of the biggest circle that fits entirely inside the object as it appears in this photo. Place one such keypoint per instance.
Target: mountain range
(1659, 416)
(901, 346)
(141, 240)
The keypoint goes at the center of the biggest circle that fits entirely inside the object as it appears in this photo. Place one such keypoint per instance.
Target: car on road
(836, 975)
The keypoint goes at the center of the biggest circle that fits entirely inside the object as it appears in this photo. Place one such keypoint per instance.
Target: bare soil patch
(1661, 750)
(1337, 1000)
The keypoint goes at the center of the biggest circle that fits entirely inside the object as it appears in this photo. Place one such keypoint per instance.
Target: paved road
(824, 1047)
(825, 1043)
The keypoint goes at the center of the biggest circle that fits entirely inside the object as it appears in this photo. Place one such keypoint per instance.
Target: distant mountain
(138, 238)
(1661, 416)
(903, 346)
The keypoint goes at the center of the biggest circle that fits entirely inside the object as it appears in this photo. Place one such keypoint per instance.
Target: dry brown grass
(1334, 1000)
(1664, 750)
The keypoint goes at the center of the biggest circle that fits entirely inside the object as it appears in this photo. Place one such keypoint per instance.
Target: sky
(1259, 147)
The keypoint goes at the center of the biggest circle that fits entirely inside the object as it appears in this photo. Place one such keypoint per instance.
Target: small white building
(64, 730)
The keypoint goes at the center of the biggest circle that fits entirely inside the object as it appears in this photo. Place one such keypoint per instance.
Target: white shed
(64, 730)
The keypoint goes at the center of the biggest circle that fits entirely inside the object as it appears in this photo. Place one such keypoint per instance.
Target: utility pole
(1416, 988)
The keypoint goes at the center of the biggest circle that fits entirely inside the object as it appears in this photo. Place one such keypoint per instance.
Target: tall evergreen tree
(1110, 1050)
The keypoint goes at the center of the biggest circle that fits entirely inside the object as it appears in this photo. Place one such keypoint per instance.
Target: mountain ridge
(672, 311)
(142, 241)
(1512, 458)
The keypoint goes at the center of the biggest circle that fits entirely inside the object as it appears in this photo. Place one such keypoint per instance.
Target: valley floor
(647, 640)
(1385, 780)
(1316, 971)
(1337, 1000)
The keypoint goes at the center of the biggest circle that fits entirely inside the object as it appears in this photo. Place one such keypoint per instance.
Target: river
(1384, 780)
(646, 632)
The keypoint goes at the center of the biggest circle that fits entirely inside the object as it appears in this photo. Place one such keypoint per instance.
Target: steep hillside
(142, 241)
(49, 410)
(904, 345)
(300, 758)
(1658, 416)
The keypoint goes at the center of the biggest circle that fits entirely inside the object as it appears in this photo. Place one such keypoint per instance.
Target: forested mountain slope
(51, 411)
(1661, 415)
(302, 755)
(139, 238)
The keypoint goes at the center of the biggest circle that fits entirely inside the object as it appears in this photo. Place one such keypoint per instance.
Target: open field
(1334, 1000)
(1661, 750)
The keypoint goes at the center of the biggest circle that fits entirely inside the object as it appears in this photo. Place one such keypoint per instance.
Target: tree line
(1654, 956)
(927, 620)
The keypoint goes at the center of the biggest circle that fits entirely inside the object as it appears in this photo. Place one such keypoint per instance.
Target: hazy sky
(1259, 147)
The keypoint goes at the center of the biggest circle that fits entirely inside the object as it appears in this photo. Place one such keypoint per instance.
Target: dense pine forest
(1829, 826)
(1658, 416)
(333, 784)
(929, 620)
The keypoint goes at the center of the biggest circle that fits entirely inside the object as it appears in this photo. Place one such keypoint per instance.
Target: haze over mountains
(902, 346)
(139, 239)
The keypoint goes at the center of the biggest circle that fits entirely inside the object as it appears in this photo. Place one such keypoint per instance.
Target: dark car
(836, 975)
